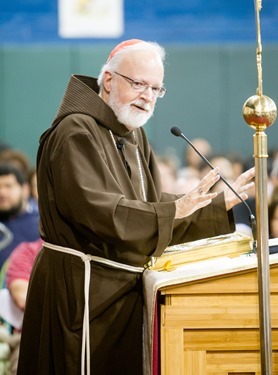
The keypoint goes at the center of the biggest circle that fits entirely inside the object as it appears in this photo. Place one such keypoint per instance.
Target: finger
(204, 203)
(204, 197)
(210, 174)
(208, 181)
(248, 175)
(246, 187)
(196, 198)
(206, 200)
(209, 196)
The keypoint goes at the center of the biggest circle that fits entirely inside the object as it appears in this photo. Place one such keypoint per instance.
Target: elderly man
(103, 216)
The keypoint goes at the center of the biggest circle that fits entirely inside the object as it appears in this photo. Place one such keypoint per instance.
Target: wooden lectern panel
(211, 326)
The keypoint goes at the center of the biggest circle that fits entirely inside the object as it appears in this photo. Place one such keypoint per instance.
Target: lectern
(210, 326)
(207, 309)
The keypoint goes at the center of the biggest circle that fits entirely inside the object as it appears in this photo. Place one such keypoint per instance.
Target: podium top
(232, 244)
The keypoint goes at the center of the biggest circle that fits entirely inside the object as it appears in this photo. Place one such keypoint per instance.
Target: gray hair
(113, 63)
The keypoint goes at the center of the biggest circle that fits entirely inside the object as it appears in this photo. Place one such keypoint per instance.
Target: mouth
(141, 108)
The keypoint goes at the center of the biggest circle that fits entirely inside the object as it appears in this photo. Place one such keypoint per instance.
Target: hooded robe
(90, 199)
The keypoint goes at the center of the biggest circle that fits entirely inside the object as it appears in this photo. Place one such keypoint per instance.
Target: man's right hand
(198, 197)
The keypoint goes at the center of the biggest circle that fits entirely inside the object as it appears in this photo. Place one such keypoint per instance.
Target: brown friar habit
(90, 199)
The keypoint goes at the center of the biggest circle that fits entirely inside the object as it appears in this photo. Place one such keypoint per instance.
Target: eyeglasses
(140, 86)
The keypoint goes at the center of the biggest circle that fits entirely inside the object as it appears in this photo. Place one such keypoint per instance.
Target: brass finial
(260, 112)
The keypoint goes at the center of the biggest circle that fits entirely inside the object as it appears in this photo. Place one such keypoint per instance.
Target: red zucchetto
(121, 46)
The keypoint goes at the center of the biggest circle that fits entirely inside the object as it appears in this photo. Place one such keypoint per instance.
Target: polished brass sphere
(259, 112)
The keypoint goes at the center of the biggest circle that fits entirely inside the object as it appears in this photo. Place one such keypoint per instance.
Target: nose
(148, 94)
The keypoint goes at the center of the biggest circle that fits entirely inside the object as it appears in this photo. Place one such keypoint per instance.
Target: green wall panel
(89, 60)
(207, 86)
(193, 83)
(34, 81)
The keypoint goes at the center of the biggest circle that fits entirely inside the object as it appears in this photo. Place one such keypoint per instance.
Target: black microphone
(121, 144)
(252, 220)
(121, 147)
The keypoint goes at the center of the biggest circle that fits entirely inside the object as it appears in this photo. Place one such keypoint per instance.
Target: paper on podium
(231, 245)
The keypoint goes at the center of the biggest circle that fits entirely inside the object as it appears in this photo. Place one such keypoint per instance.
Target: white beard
(128, 115)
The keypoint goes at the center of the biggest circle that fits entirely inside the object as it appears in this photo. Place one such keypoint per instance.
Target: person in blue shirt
(18, 217)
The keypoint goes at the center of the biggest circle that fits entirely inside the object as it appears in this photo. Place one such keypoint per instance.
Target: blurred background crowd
(181, 175)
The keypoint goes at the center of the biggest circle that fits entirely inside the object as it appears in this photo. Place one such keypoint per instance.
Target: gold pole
(259, 111)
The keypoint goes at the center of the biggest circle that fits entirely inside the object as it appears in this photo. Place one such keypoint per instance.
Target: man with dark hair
(16, 214)
(103, 216)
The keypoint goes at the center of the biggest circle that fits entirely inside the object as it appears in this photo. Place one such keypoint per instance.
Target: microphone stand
(252, 219)
(260, 112)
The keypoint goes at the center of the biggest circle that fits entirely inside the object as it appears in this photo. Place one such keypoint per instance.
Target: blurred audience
(19, 270)
(16, 213)
(4, 146)
(180, 180)
(16, 158)
(273, 219)
(191, 158)
(174, 180)
(19, 160)
(19, 217)
(274, 195)
(237, 163)
(187, 179)
(168, 170)
(273, 172)
(273, 222)
(32, 178)
(226, 170)
(17, 280)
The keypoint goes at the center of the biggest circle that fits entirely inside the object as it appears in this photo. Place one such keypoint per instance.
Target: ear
(107, 80)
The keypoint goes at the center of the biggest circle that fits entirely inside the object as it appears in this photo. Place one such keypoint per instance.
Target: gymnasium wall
(210, 69)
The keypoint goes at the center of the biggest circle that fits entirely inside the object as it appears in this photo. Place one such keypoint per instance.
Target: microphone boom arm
(252, 220)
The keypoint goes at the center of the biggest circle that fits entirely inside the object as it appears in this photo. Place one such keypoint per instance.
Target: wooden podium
(210, 326)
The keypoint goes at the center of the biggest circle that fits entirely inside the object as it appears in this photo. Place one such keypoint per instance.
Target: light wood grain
(211, 327)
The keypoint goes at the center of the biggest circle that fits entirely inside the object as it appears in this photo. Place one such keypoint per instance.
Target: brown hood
(81, 96)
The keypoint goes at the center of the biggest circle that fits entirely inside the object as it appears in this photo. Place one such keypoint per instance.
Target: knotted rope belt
(87, 258)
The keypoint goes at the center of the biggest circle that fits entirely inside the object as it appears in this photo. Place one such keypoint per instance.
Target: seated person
(16, 213)
(19, 269)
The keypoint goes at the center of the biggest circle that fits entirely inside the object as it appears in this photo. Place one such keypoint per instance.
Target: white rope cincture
(87, 258)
